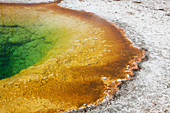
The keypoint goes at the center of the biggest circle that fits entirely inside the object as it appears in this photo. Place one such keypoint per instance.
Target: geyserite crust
(80, 49)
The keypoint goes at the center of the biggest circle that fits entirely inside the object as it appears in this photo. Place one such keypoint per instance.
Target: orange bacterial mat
(54, 59)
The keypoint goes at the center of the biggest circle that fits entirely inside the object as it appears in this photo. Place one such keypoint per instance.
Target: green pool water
(20, 48)
(29, 37)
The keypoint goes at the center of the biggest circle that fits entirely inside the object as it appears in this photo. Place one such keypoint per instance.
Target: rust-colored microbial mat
(54, 59)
